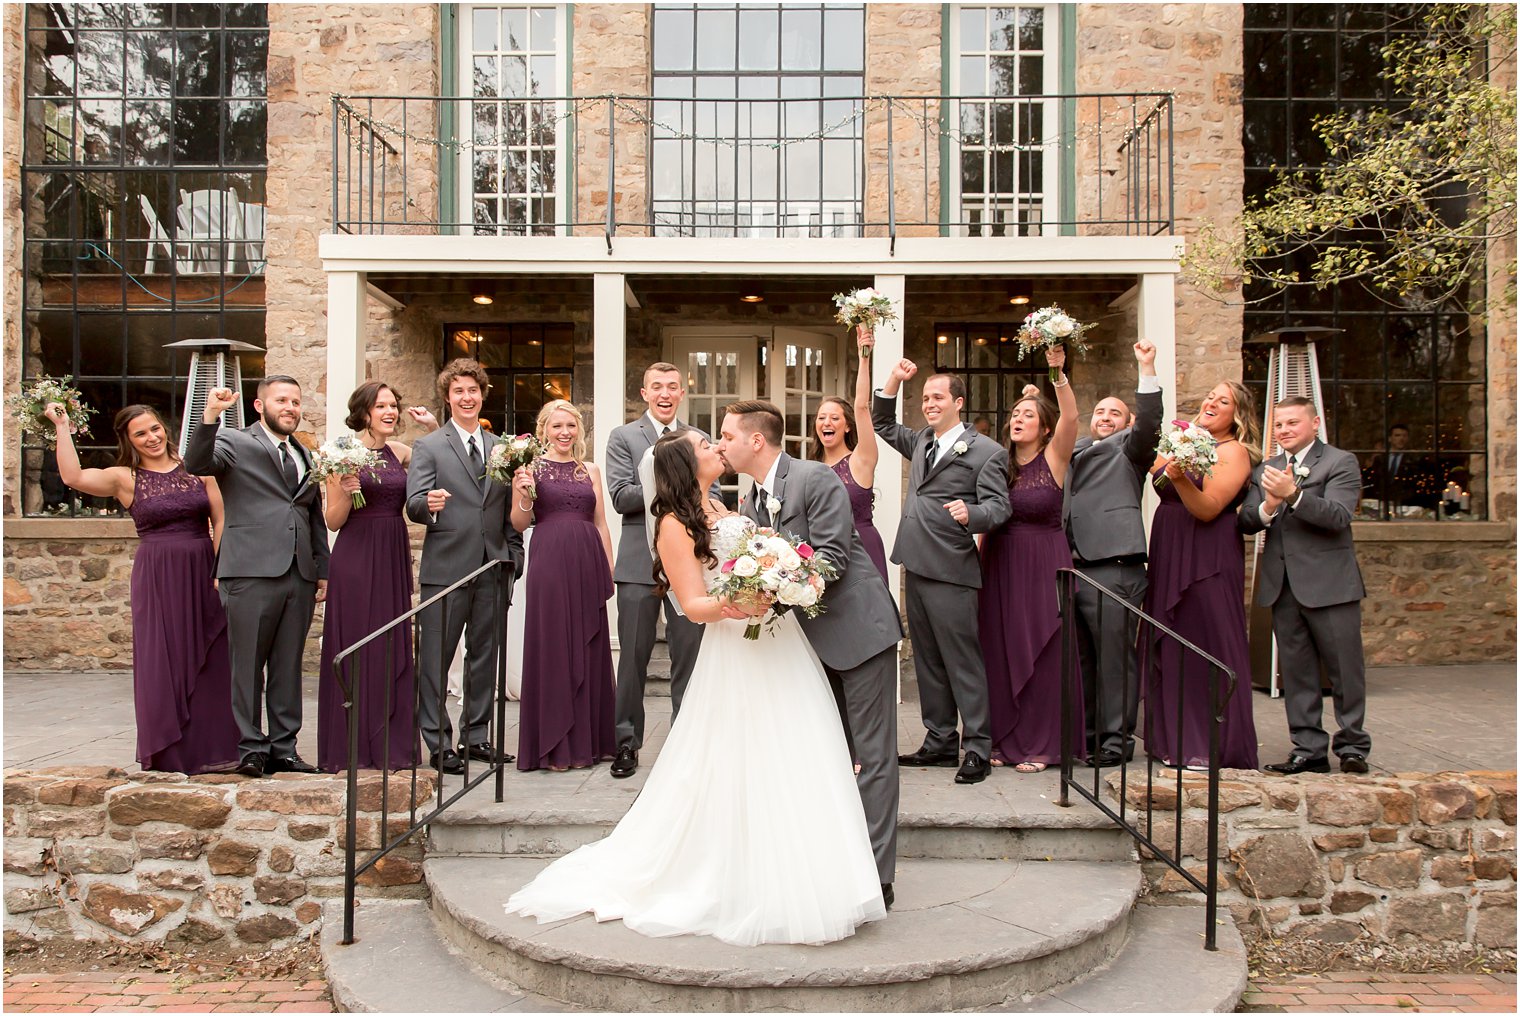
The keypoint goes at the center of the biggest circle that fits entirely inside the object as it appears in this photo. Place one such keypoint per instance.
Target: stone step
(1009, 817)
(963, 934)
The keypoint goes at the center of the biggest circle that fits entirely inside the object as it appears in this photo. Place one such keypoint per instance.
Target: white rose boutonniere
(959, 448)
(1300, 473)
(773, 505)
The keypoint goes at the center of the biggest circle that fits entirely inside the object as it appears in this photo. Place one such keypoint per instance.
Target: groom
(857, 634)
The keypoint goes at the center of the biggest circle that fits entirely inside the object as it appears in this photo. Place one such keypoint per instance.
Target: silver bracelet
(528, 509)
(1063, 382)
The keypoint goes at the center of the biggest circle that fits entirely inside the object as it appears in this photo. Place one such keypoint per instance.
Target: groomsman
(637, 606)
(1305, 498)
(957, 487)
(1107, 534)
(467, 525)
(272, 567)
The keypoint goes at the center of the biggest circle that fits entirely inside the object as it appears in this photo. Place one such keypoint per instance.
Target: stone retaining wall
(94, 853)
(1412, 859)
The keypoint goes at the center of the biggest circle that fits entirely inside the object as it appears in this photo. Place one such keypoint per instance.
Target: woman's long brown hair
(676, 493)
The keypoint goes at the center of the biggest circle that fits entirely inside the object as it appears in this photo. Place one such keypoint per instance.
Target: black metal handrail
(347, 666)
(1221, 686)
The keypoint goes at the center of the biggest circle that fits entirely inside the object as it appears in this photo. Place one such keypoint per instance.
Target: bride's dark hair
(676, 493)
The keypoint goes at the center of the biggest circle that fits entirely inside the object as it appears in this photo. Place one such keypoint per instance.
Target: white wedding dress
(750, 828)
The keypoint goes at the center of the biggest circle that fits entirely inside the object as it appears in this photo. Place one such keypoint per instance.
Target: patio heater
(1292, 370)
(213, 364)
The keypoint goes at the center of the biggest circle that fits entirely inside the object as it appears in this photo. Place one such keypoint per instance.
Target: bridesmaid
(846, 442)
(181, 673)
(1019, 614)
(565, 721)
(369, 582)
(1197, 589)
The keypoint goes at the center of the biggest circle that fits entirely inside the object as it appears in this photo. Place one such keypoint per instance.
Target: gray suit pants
(947, 657)
(476, 604)
(638, 611)
(1106, 636)
(869, 696)
(1307, 637)
(267, 622)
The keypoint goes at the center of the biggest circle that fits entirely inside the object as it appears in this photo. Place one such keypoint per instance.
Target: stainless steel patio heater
(213, 364)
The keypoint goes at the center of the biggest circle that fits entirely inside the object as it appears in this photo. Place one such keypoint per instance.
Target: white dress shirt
(279, 439)
(1293, 458)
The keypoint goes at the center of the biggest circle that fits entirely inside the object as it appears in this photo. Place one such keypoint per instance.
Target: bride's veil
(646, 484)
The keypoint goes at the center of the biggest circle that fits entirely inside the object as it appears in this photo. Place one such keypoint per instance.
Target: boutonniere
(959, 448)
(1300, 473)
(773, 505)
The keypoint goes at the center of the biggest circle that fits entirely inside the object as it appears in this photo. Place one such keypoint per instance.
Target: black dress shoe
(626, 763)
(1106, 758)
(290, 764)
(924, 757)
(1351, 762)
(887, 895)
(1298, 764)
(447, 761)
(482, 752)
(252, 764)
(973, 770)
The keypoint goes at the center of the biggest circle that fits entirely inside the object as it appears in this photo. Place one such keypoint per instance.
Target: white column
(889, 472)
(609, 358)
(345, 344)
(1156, 321)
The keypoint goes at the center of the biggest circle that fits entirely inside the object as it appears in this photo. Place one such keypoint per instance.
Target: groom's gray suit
(274, 549)
(856, 636)
(944, 573)
(473, 528)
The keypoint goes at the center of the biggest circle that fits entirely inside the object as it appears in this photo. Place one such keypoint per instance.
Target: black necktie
(288, 467)
(929, 459)
(475, 460)
(762, 501)
(1393, 465)
(1293, 467)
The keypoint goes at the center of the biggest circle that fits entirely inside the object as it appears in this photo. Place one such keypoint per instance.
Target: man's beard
(273, 422)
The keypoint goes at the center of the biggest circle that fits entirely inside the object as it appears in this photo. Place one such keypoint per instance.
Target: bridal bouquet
(760, 567)
(1191, 447)
(29, 405)
(344, 456)
(869, 307)
(511, 454)
(1047, 327)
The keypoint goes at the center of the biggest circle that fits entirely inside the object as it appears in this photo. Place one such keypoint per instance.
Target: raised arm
(205, 455)
(113, 482)
(866, 454)
(884, 410)
(1064, 438)
(1140, 443)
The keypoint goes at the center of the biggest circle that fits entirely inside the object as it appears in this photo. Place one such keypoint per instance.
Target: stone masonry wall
(93, 853)
(1402, 860)
(12, 18)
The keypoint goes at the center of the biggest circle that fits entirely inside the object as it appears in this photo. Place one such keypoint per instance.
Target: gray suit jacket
(474, 527)
(859, 619)
(626, 446)
(1310, 544)
(264, 525)
(1104, 484)
(929, 542)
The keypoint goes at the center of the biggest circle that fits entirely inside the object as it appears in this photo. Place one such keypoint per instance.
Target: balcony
(1096, 164)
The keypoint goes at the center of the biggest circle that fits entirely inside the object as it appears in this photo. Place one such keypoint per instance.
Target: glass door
(803, 369)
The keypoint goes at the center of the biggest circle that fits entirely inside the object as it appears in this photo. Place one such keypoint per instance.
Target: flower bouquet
(761, 568)
(1191, 447)
(29, 405)
(868, 307)
(1047, 327)
(344, 456)
(511, 454)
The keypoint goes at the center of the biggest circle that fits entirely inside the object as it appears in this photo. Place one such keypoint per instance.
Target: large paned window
(514, 71)
(1403, 386)
(142, 206)
(986, 356)
(1004, 66)
(758, 126)
(529, 365)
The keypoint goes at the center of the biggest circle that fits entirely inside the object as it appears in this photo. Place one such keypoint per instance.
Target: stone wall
(12, 18)
(611, 57)
(92, 853)
(1402, 860)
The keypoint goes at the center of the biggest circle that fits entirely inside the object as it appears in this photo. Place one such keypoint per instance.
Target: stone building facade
(65, 592)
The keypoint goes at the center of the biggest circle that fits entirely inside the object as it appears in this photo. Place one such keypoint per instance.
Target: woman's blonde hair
(1245, 427)
(578, 449)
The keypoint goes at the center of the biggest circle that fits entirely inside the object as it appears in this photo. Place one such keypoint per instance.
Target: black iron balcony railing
(1042, 165)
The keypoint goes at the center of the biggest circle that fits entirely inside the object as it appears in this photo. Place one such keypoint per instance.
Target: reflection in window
(529, 365)
(144, 214)
(1403, 386)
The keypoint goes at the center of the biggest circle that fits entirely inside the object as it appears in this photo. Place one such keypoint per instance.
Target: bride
(750, 827)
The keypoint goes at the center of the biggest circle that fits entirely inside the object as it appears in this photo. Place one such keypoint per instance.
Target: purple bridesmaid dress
(1197, 589)
(565, 719)
(1020, 622)
(861, 501)
(181, 673)
(369, 582)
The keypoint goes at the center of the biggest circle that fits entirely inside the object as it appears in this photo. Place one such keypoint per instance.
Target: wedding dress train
(750, 828)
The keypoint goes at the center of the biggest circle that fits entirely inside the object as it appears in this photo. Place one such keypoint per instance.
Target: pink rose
(804, 551)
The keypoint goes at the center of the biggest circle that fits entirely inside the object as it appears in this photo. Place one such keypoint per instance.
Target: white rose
(789, 560)
(809, 596)
(776, 546)
(959, 448)
(791, 593)
(1060, 327)
(770, 580)
(746, 567)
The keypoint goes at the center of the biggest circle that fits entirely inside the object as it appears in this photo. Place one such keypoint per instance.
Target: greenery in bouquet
(1051, 326)
(868, 307)
(28, 407)
(1191, 447)
(344, 456)
(760, 568)
(522, 451)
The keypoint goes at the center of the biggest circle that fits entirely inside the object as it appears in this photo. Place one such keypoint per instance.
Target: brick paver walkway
(1361, 991)
(104, 991)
